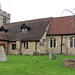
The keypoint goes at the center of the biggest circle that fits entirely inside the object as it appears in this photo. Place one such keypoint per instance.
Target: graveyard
(35, 65)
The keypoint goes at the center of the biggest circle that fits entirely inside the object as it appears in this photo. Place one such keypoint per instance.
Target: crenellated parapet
(5, 14)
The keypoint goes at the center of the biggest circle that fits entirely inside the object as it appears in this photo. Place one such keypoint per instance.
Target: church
(39, 35)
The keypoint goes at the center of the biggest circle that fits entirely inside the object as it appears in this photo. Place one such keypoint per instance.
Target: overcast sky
(21, 10)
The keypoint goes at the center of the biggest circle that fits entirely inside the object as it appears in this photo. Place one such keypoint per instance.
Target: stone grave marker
(50, 57)
(52, 54)
(3, 57)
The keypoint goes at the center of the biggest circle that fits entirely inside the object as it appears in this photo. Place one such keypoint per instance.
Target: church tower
(4, 17)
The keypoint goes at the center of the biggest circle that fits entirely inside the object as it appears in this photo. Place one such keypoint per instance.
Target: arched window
(52, 42)
(72, 42)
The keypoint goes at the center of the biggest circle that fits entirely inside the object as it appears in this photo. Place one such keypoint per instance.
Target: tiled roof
(4, 36)
(37, 30)
(62, 25)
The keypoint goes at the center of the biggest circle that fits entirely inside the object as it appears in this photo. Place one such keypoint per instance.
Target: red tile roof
(62, 25)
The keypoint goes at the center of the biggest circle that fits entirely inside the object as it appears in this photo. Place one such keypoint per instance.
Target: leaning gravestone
(3, 57)
(50, 57)
(51, 53)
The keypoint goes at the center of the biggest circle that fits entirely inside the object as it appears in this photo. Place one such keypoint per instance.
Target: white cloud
(32, 9)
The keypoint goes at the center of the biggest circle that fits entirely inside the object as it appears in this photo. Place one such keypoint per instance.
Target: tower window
(4, 20)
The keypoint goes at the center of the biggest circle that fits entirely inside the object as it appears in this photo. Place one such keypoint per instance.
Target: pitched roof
(37, 30)
(62, 25)
(3, 36)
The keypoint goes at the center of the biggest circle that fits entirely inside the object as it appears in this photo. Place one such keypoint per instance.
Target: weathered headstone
(52, 54)
(3, 57)
(50, 57)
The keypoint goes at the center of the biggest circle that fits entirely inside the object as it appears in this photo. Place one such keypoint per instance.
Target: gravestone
(51, 53)
(3, 57)
(50, 57)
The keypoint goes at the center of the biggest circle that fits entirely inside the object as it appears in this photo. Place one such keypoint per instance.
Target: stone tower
(4, 17)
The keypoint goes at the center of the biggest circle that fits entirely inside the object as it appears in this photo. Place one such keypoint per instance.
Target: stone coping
(73, 60)
(70, 63)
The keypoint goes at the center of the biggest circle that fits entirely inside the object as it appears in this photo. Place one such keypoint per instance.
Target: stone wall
(56, 49)
(36, 46)
(40, 48)
(70, 63)
(70, 50)
(31, 47)
(10, 48)
(66, 49)
(30, 50)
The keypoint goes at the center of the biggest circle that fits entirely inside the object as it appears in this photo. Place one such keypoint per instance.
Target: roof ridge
(34, 20)
(63, 16)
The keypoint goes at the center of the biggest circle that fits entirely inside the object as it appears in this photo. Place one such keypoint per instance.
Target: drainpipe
(61, 44)
(36, 46)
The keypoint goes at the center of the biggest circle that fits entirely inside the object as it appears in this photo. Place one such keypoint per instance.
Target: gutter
(59, 34)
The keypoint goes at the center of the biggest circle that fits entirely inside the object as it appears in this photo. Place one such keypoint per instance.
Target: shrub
(37, 60)
(35, 53)
(41, 66)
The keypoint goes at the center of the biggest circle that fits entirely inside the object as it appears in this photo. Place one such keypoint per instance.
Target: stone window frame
(73, 42)
(52, 38)
(13, 48)
(44, 43)
(4, 20)
(26, 45)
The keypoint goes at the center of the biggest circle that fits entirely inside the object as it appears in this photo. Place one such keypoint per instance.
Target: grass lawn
(35, 65)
